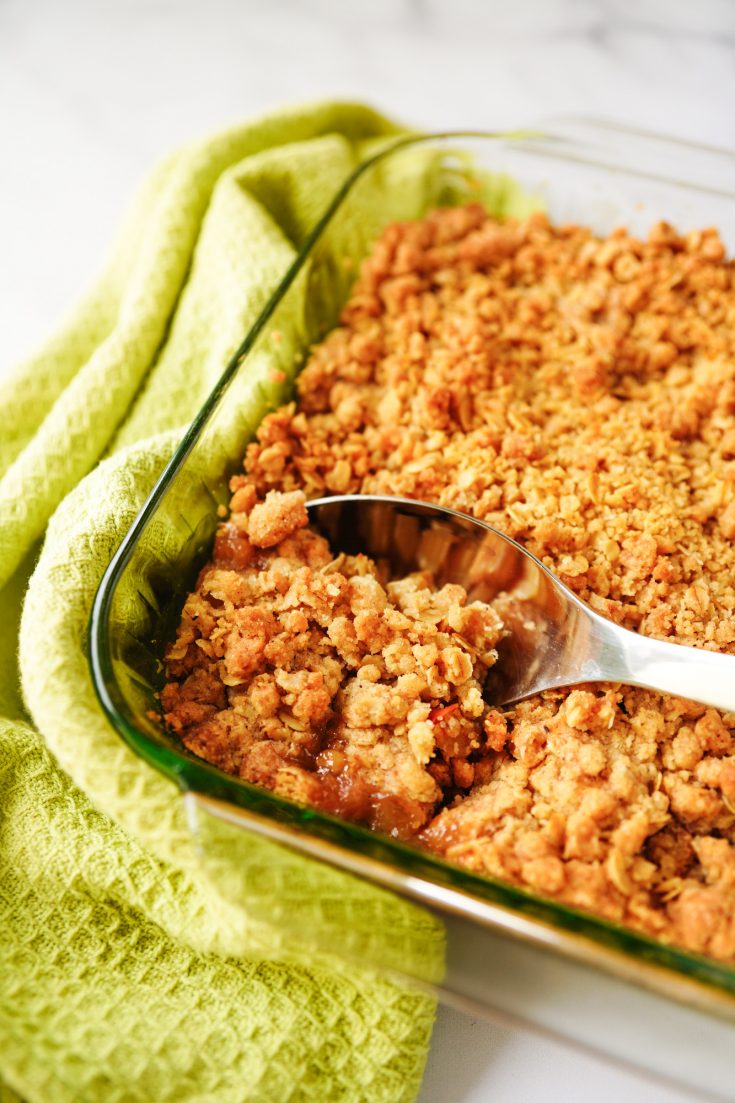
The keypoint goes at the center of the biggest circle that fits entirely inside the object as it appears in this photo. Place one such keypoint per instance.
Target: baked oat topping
(578, 394)
(309, 674)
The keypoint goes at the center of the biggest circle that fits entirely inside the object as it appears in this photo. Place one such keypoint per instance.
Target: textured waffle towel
(123, 977)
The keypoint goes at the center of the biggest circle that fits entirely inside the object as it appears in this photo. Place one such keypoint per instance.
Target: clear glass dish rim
(573, 933)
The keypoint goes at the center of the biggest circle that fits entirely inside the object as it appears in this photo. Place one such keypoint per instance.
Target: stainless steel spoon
(554, 638)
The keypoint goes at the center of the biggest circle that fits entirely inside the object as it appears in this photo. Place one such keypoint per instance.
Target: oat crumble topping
(310, 675)
(578, 394)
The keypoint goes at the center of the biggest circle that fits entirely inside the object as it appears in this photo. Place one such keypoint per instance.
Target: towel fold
(124, 975)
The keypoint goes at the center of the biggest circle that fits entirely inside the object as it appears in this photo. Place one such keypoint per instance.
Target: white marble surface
(92, 92)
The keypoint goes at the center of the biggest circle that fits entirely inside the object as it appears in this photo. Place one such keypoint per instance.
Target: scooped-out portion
(577, 393)
(314, 675)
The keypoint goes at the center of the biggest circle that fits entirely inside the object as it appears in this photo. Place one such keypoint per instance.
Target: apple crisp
(306, 673)
(579, 394)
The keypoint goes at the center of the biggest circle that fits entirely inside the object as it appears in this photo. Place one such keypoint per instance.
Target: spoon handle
(690, 672)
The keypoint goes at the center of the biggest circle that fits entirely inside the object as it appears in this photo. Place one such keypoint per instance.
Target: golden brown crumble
(308, 674)
(579, 394)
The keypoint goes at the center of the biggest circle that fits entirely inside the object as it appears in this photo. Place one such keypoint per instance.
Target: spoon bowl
(553, 638)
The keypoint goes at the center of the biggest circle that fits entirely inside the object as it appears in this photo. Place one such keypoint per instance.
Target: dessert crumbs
(579, 394)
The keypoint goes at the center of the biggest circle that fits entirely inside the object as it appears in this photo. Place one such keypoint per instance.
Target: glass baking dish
(474, 941)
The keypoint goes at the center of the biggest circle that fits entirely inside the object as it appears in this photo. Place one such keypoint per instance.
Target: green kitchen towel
(123, 976)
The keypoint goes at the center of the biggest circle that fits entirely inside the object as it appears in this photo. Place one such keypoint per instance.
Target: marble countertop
(94, 93)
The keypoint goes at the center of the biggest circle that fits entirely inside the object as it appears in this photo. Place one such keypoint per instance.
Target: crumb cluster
(306, 673)
(578, 394)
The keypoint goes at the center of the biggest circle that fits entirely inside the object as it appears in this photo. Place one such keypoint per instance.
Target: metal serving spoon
(554, 638)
